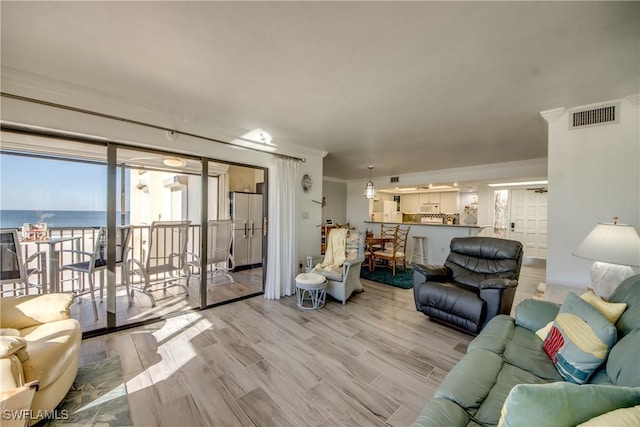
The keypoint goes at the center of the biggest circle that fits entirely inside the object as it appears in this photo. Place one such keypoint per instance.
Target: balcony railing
(78, 283)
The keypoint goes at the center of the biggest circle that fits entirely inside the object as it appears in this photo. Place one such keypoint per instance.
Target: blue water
(15, 218)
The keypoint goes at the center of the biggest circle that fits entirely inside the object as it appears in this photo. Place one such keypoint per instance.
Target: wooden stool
(419, 250)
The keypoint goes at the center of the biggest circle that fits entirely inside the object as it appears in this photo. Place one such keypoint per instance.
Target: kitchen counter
(438, 236)
(428, 224)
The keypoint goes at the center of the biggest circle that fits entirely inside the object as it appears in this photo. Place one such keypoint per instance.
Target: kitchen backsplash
(417, 217)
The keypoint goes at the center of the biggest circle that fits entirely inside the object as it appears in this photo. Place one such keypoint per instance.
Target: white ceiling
(404, 86)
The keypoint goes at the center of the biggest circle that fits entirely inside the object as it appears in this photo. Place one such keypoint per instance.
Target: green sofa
(505, 372)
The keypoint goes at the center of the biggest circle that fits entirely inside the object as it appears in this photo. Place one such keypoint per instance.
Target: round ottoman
(311, 291)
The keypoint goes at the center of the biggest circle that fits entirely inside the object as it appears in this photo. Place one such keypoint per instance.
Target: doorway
(528, 220)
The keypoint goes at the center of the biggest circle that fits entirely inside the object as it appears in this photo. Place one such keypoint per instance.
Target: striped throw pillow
(579, 340)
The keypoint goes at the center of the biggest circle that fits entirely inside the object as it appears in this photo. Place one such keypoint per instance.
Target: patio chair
(219, 258)
(13, 270)
(165, 261)
(90, 262)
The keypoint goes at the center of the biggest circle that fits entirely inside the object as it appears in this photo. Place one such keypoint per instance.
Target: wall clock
(307, 182)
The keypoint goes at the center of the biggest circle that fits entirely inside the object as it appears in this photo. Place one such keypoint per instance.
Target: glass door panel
(54, 192)
(162, 195)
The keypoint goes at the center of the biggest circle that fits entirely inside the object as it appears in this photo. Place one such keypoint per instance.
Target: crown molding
(552, 115)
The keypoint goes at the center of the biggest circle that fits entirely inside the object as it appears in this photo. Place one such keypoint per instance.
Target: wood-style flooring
(375, 361)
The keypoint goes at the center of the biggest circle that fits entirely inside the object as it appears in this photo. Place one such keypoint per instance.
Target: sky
(28, 183)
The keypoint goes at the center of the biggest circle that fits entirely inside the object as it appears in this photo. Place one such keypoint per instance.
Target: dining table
(371, 241)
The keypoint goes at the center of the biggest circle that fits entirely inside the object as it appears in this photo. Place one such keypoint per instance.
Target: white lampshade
(612, 243)
(614, 248)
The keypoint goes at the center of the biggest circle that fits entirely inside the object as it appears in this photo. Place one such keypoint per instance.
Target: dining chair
(165, 261)
(397, 252)
(13, 270)
(91, 262)
(219, 258)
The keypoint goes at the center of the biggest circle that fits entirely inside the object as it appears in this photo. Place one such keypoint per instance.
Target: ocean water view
(15, 218)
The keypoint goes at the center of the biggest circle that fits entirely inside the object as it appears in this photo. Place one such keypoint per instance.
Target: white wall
(593, 176)
(307, 236)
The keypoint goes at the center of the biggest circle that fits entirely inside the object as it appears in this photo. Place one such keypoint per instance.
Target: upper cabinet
(409, 203)
(429, 198)
(449, 202)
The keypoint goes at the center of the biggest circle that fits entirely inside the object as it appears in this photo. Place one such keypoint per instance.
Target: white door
(528, 211)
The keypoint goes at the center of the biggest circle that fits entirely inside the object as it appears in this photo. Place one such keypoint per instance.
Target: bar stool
(419, 250)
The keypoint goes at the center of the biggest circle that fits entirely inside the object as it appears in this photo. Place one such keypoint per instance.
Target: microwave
(431, 208)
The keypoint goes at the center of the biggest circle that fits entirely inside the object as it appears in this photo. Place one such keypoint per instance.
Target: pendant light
(370, 189)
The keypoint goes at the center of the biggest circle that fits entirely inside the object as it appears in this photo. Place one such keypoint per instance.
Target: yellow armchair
(39, 342)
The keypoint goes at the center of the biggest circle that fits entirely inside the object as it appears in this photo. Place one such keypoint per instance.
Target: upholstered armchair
(39, 342)
(346, 280)
(477, 282)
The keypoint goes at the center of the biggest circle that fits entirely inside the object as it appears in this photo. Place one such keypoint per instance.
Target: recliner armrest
(436, 273)
(498, 283)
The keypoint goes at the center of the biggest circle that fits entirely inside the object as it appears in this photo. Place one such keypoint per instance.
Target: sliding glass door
(81, 202)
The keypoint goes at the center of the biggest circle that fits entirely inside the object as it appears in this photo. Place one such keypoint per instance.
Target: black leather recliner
(477, 282)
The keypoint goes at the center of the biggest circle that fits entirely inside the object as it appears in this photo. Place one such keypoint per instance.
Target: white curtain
(281, 265)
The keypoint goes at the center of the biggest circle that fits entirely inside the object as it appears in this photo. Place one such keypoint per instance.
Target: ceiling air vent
(595, 116)
(394, 179)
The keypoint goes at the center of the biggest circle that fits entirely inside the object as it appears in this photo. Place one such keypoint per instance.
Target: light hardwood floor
(374, 361)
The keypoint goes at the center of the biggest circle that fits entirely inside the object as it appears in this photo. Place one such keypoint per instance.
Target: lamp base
(606, 277)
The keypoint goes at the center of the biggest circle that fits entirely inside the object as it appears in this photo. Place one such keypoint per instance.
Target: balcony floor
(173, 300)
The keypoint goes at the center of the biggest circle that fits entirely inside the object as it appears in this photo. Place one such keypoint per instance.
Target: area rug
(402, 279)
(98, 397)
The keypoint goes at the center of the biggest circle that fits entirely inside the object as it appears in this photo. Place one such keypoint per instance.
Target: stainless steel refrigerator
(246, 212)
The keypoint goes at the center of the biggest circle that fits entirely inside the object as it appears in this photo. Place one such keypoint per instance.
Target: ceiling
(403, 86)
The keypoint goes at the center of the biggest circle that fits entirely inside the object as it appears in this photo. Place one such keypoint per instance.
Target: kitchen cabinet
(429, 198)
(246, 213)
(449, 202)
(409, 203)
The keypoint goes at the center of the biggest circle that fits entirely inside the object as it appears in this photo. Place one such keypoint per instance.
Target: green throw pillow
(579, 340)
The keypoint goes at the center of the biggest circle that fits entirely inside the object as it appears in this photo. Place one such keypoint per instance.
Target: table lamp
(614, 248)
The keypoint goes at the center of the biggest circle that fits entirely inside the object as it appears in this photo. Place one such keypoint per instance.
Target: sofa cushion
(467, 385)
(562, 403)
(509, 377)
(535, 314)
(495, 335)
(524, 350)
(622, 364)
(629, 293)
(579, 340)
(442, 412)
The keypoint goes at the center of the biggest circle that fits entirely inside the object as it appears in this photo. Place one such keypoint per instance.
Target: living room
(592, 172)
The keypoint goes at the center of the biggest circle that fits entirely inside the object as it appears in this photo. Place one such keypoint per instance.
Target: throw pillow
(579, 339)
(544, 331)
(623, 417)
(610, 310)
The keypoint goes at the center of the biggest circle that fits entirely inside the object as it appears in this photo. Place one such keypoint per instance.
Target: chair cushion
(50, 347)
(579, 340)
(352, 245)
(336, 276)
(454, 304)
